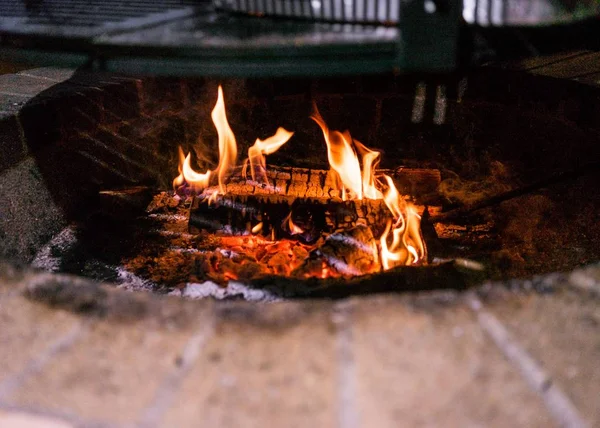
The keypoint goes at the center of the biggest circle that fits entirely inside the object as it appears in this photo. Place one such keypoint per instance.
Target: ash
(233, 291)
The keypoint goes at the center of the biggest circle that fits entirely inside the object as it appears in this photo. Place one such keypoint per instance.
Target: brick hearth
(82, 354)
(79, 353)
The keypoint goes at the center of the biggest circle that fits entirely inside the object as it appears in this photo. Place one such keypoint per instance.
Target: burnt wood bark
(270, 215)
(306, 196)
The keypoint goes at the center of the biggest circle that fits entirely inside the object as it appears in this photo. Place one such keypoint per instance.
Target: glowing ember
(352, 169)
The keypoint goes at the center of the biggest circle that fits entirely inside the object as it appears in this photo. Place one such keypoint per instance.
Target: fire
(227, 143)
(353, 167)
(343, 152)
(370, 162)
(407, 247)
(257, 228)
(289, 225)
(256, 153)
(227, 154)
(342, 157)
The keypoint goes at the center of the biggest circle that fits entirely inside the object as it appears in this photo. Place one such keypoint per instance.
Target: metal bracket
(429, 35)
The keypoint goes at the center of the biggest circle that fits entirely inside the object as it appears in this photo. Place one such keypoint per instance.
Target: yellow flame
(227, 154)
(370, 160)
(227, 143)
(292, 228)
(257, 228)
(180, 179)
(407, 245)
(342, 157)
(196, 180)
(256, 153)
(393, 201)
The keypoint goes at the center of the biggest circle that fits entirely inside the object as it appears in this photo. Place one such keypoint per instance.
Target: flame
(370, 160)
(292, 228)
(256, 153)
(227, 143)
(196, 180)
(227, 154)
(352, 170)
(342, 157)
(257, 228)
(180, 179)
(407, 245)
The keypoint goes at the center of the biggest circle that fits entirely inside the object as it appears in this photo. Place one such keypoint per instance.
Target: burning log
(348, 252)
(278, 216)
(304, 182)
(299, 203)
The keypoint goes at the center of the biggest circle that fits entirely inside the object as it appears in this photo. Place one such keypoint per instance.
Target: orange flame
(196, 180)
(256, 153)
(292, 228)
(342, 157)
(227, 154)
(370, 162)
(227, 143)
(407, 245)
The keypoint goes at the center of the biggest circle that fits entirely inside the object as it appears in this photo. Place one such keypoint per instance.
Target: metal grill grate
(82, 13)
(351, 11)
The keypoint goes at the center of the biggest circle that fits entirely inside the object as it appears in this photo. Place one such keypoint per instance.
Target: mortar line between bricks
(39, 362)
(44, 78)
(556, 401)
(348, 414)
(152, 415)
(15, 94)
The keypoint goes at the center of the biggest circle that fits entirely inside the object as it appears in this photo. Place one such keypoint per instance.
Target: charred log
(296, 203)
(277, 217)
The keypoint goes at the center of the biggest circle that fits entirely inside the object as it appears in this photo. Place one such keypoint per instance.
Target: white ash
(349, 240)
(49, 257)
(171, 233)
(341, 266)
(188, 250)
(131, 282)
(227, 253)
(234, 289)
(168, 217)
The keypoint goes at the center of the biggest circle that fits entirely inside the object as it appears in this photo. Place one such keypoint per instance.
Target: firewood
(278, 216)
(304, 182)
(306, 196)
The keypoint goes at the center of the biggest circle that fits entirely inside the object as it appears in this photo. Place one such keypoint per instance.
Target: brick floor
(562, 331)
(88, 355)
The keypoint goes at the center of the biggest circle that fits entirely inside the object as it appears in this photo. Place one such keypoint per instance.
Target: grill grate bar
(83, 12)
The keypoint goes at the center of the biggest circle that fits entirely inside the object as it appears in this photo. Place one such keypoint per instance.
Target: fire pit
(269, 189)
